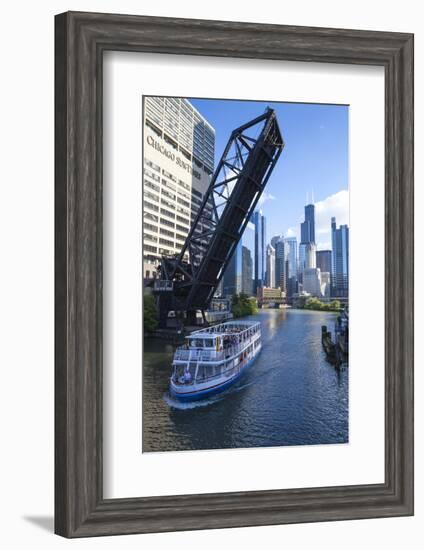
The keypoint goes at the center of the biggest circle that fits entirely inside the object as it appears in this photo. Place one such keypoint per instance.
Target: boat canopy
(230, 327)
(222, 335)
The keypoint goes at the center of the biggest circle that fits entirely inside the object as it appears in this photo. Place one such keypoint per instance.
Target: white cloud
(336, 205)
(291, 232)
(265, 197)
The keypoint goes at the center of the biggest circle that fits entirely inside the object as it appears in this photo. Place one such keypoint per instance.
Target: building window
(187, 198)
(164, 221)
(153, 186)
(166, 242)
(166, 232)
(152, 238)
(151, 174)
(169, 184)
(152, 165)
(196, 201)
(180, 209)
(151, 196)
(183, 202)
(154, 128)
(183, 184)
(150, 227)
(167, 213)
(167, 203)
(169, 175)
(152, 217)
(183, 220)
(168, 194)
(149, 258)
(151, 206)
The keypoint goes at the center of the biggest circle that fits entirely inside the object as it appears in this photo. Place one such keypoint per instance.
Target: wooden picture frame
(81, 39)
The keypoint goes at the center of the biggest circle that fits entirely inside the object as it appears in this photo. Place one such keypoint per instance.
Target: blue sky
(314, 160)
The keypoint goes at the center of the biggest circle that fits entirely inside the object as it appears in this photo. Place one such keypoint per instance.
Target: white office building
(325, 284)
(178, 151)
(312, 281)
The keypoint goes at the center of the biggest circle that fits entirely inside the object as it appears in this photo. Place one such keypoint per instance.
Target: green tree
(243, 305)
(313, 303)
(252, 305)
(300, 302)
(150, 314)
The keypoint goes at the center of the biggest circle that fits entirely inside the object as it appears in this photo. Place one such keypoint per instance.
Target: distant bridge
(271, 302)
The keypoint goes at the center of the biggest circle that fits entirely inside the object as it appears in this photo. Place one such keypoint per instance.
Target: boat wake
(187, 405)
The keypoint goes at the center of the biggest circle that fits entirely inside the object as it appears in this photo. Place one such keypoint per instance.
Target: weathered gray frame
(81, 39)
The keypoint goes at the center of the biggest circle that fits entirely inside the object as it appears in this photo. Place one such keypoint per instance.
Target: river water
(289, 396)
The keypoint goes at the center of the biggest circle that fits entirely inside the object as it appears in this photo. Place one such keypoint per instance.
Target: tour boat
(213, 358)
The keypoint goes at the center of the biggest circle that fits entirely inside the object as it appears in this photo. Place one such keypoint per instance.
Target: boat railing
(183, 354)
(240, 327)
(181, 381)
(197, 355)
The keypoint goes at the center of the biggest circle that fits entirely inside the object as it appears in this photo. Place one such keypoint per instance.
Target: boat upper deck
(218, 342)
(230, 327)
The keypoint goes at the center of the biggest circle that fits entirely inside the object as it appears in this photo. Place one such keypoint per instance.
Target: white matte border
(128, 472)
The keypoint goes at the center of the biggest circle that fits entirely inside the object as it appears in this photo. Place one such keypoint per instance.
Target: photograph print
(245, 253)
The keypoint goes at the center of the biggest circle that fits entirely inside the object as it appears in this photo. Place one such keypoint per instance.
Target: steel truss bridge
(187, 282)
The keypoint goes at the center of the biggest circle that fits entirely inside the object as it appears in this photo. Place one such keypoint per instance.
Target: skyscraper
(291, 256)
(280, 262)
(291, 265)
(307, 256)
(247, 271)
(307, 228)
(270, 266)
(275, 239)
(178, 151)
(312, 281)
(326, 284)
(340, 260)
(307, 247)
(260, 249)
(238, 275)
(233, 276)
(324, 260)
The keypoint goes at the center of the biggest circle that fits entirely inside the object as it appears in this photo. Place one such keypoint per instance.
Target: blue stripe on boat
(201, 394)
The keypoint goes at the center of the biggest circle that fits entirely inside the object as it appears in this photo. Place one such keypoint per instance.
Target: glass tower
(232, 280)
(291, 264)
(307, 228)
(260, 249)
(340, 260)
(247, 271)
(324, 260)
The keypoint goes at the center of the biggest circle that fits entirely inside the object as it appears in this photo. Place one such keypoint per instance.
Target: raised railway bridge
(186, 286)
